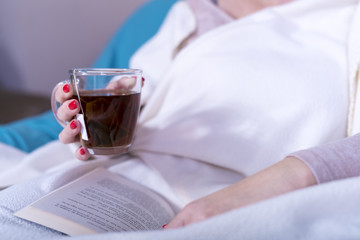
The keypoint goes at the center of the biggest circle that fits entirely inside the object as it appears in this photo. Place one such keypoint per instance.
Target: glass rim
(104, 71)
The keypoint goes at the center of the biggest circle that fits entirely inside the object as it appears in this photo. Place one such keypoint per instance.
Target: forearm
(287, 175)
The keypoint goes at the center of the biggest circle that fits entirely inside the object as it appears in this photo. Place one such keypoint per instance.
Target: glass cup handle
(55, 105)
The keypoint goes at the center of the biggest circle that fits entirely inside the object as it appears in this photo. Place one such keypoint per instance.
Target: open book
(100, 201)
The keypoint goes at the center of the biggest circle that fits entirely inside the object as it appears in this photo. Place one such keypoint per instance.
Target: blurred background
(40, 40)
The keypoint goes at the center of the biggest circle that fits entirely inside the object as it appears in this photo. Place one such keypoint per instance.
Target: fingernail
(143, 79)
(73, 124)
(66, 88)
(82, 151)
(72, 105)
(163, 226)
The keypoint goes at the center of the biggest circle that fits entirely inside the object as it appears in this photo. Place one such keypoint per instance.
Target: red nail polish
(163, 226)
(82, 151)
(142, 82)
(73, 124)
(72, 105)
(66, 88)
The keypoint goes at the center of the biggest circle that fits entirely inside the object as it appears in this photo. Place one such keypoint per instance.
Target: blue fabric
(141, 26)
(31, 133)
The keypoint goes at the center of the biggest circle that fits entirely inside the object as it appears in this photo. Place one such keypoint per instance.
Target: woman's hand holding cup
(99, 107)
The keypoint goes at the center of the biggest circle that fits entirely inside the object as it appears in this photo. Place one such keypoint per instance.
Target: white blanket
(196, 136)
(327, 211)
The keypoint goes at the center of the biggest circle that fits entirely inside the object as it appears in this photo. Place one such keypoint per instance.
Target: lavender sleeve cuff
(333, 161)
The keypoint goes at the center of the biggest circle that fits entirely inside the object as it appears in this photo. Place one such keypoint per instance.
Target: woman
(260, 120)
(225, 99)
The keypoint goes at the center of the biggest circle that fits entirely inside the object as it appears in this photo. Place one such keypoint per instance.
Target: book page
(100, 201)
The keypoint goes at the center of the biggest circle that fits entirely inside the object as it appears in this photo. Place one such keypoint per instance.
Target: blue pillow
(30, 133)
(141, 26)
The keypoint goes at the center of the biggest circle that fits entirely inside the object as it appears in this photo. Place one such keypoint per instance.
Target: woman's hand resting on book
(285, 176)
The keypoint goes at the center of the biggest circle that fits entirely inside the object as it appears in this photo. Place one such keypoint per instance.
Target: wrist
(298, 174)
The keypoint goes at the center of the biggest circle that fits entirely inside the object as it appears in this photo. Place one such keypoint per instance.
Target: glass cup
(109, 107)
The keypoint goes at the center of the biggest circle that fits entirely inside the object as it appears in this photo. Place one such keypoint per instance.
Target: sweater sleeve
(333, 161)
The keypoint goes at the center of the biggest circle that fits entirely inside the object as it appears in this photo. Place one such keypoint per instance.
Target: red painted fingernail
(72, 105)
(143, 79)
(66, 88)
(82, 151)
(163, 226)
(73, 124)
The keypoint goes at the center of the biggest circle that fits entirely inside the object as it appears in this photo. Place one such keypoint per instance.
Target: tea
(110, 118)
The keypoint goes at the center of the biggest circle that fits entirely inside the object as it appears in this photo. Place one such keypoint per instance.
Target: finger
(193, 212)
(63, 93)
(177, 222)
(68, 110)
(71, 132)
(82, 154)
(124, 83)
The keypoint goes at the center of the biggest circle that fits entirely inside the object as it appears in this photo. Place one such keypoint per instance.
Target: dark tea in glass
(110, 118)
